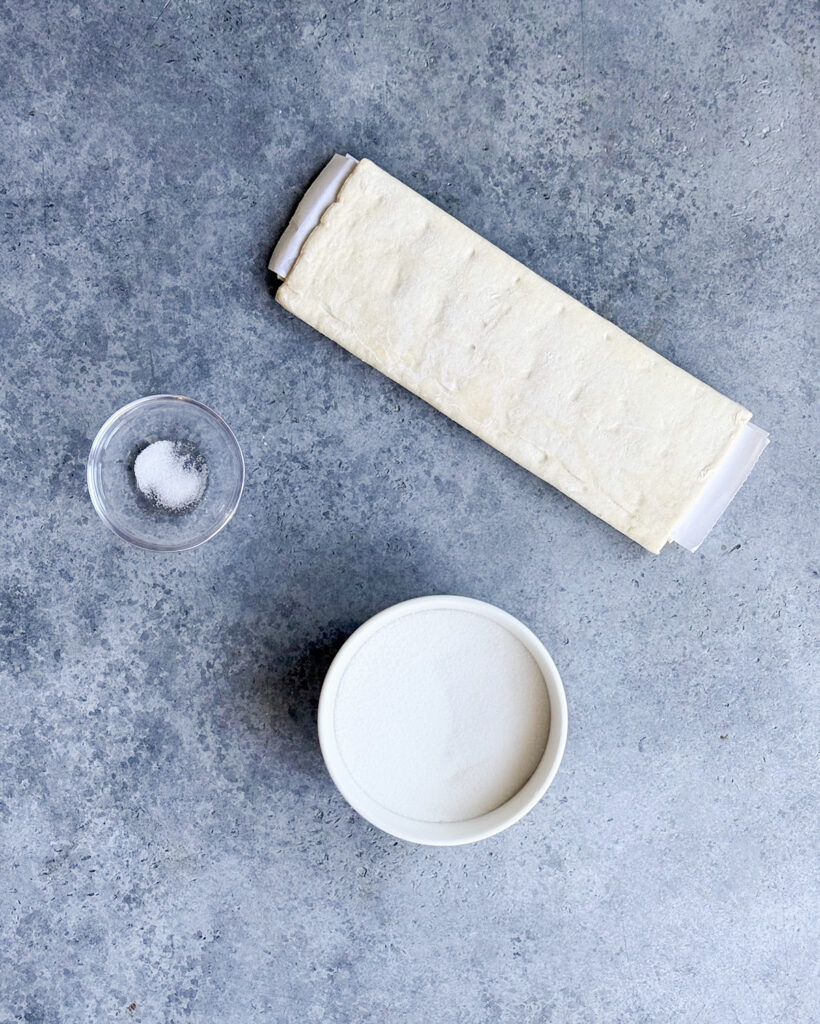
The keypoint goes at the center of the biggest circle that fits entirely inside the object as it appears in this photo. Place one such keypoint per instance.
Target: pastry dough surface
(566, 394)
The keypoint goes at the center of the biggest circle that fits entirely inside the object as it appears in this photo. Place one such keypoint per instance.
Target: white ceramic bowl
(449, 833)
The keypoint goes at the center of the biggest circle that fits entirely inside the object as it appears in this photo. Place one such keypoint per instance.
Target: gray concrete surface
(172, 848)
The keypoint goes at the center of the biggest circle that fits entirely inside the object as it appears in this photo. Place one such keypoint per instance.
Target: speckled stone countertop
(172, 847)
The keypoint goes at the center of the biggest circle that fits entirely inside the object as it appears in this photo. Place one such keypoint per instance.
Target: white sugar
(442, 716)
(169, 475)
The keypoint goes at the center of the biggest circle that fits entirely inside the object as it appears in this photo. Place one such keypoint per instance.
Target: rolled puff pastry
(563, 392)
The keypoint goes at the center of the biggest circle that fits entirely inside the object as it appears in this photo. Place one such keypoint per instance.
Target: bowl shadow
(285, 650)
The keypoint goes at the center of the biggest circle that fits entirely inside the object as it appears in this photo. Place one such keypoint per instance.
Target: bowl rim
(444, 833)
(94, 457)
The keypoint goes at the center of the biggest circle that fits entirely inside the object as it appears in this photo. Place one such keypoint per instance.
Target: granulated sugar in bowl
(442, 720)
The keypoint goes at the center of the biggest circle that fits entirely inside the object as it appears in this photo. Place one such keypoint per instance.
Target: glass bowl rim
(94, 458)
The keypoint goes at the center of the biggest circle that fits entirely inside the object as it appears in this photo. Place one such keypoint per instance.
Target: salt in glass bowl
(112, 485)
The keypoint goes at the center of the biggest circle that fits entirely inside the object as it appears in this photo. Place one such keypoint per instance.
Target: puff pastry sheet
(566, 394)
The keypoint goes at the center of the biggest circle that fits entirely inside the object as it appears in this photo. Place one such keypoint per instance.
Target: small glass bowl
(113, 488)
